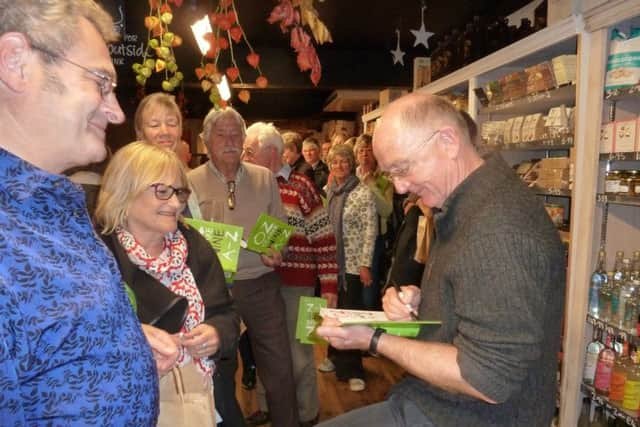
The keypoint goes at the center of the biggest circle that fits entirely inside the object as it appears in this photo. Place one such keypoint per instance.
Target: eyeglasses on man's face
(404, 169)
(164, 192)
(106, 83)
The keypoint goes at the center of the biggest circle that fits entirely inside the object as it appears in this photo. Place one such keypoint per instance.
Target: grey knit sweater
(496, 279)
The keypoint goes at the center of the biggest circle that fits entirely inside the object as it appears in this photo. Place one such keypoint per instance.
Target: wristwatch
(373, 344)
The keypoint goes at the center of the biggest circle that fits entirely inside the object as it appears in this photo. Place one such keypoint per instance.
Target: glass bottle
(625, 287)
(632, 309)
(591, 357)
(606, 359)
(619, 372)
(598, 278)
(617, 265)
(631, 400)
(604, 299)
(635, 266)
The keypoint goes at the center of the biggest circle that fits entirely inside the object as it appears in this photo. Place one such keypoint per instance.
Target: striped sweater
(311, 252)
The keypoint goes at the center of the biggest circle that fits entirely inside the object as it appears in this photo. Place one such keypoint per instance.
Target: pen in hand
(412, 311)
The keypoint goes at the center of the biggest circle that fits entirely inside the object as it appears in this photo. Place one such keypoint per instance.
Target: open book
(377, 319)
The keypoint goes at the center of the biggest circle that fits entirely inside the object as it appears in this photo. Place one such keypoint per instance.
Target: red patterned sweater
(311, 251)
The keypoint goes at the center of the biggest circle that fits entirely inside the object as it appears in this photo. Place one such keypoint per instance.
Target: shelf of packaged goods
(562, 143)
(555, 192)
(617, 199)
(622, 93)
(556, 39)
(536, 103)
(613, 330)
(629, 417)
(621, 157)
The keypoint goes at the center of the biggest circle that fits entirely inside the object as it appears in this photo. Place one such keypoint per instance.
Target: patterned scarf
(170, 268)
(337, 198)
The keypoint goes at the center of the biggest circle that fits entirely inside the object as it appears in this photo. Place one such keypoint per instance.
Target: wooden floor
(335, 396)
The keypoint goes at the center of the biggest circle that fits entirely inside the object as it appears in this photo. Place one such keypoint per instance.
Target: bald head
(423, 142)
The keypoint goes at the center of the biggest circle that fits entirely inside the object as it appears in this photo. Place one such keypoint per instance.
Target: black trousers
(349, 362)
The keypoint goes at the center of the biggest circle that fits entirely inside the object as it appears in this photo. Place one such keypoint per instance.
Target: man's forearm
(434, 363)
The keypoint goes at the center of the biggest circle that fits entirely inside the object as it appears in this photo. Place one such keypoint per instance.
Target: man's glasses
(164, 192)
(105, 82)
(403, 171)
(231, 194)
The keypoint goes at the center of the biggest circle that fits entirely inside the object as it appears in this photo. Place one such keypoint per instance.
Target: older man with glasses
(71, 348)
(231, 191)
(495, 278)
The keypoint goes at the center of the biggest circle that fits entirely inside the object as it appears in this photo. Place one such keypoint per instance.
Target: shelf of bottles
(611, 374)
(629, 417)
(609, 328)
(541, 101)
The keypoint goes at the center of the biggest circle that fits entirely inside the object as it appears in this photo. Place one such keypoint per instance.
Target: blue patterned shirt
(71, 349)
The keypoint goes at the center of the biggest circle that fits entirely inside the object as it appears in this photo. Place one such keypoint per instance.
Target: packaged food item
(556, 213)
(623, 64)
(612, 182)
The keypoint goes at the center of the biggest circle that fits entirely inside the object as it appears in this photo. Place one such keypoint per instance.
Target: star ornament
(422, 35)
(398, 55)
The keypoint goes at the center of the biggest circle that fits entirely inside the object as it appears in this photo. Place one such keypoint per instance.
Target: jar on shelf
(634, 182)
(625, 180)
(612, 182)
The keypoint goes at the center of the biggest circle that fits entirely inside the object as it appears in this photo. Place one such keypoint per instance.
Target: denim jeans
(396, 411)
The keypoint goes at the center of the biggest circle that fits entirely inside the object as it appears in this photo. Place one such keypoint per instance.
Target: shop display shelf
(627, 416)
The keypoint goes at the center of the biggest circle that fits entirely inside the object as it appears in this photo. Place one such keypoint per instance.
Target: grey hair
(54, 23)
(214, 115)
(310, 142)
(268, 136)
(431, 111)
(343, 150)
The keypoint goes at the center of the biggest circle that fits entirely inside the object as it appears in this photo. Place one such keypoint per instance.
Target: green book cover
(269, 232)
(308, 319)
(225, 240)
(377, 319)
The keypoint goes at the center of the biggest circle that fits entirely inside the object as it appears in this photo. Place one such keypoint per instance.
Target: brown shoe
(258, 418)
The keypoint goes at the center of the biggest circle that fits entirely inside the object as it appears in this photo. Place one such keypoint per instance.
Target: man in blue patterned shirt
(72, 352)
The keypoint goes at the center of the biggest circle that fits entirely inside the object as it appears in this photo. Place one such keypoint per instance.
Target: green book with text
(269, 232)
(308, 319)
(226, 241)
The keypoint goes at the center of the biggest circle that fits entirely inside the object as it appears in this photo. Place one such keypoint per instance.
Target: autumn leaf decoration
(159, 56)
(293, 16)
(221, 58)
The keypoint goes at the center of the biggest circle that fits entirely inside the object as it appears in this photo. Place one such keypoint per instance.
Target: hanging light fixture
(223, 88)
(199, 29)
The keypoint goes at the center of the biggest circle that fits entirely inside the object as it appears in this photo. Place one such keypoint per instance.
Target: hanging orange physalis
(262, 82)
(236, 33)
(244, 96)
(159, 56)
(233, 73)
(227, 32)
(253, 59)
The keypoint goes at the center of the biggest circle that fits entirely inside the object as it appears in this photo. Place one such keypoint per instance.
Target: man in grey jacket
(495, 277)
